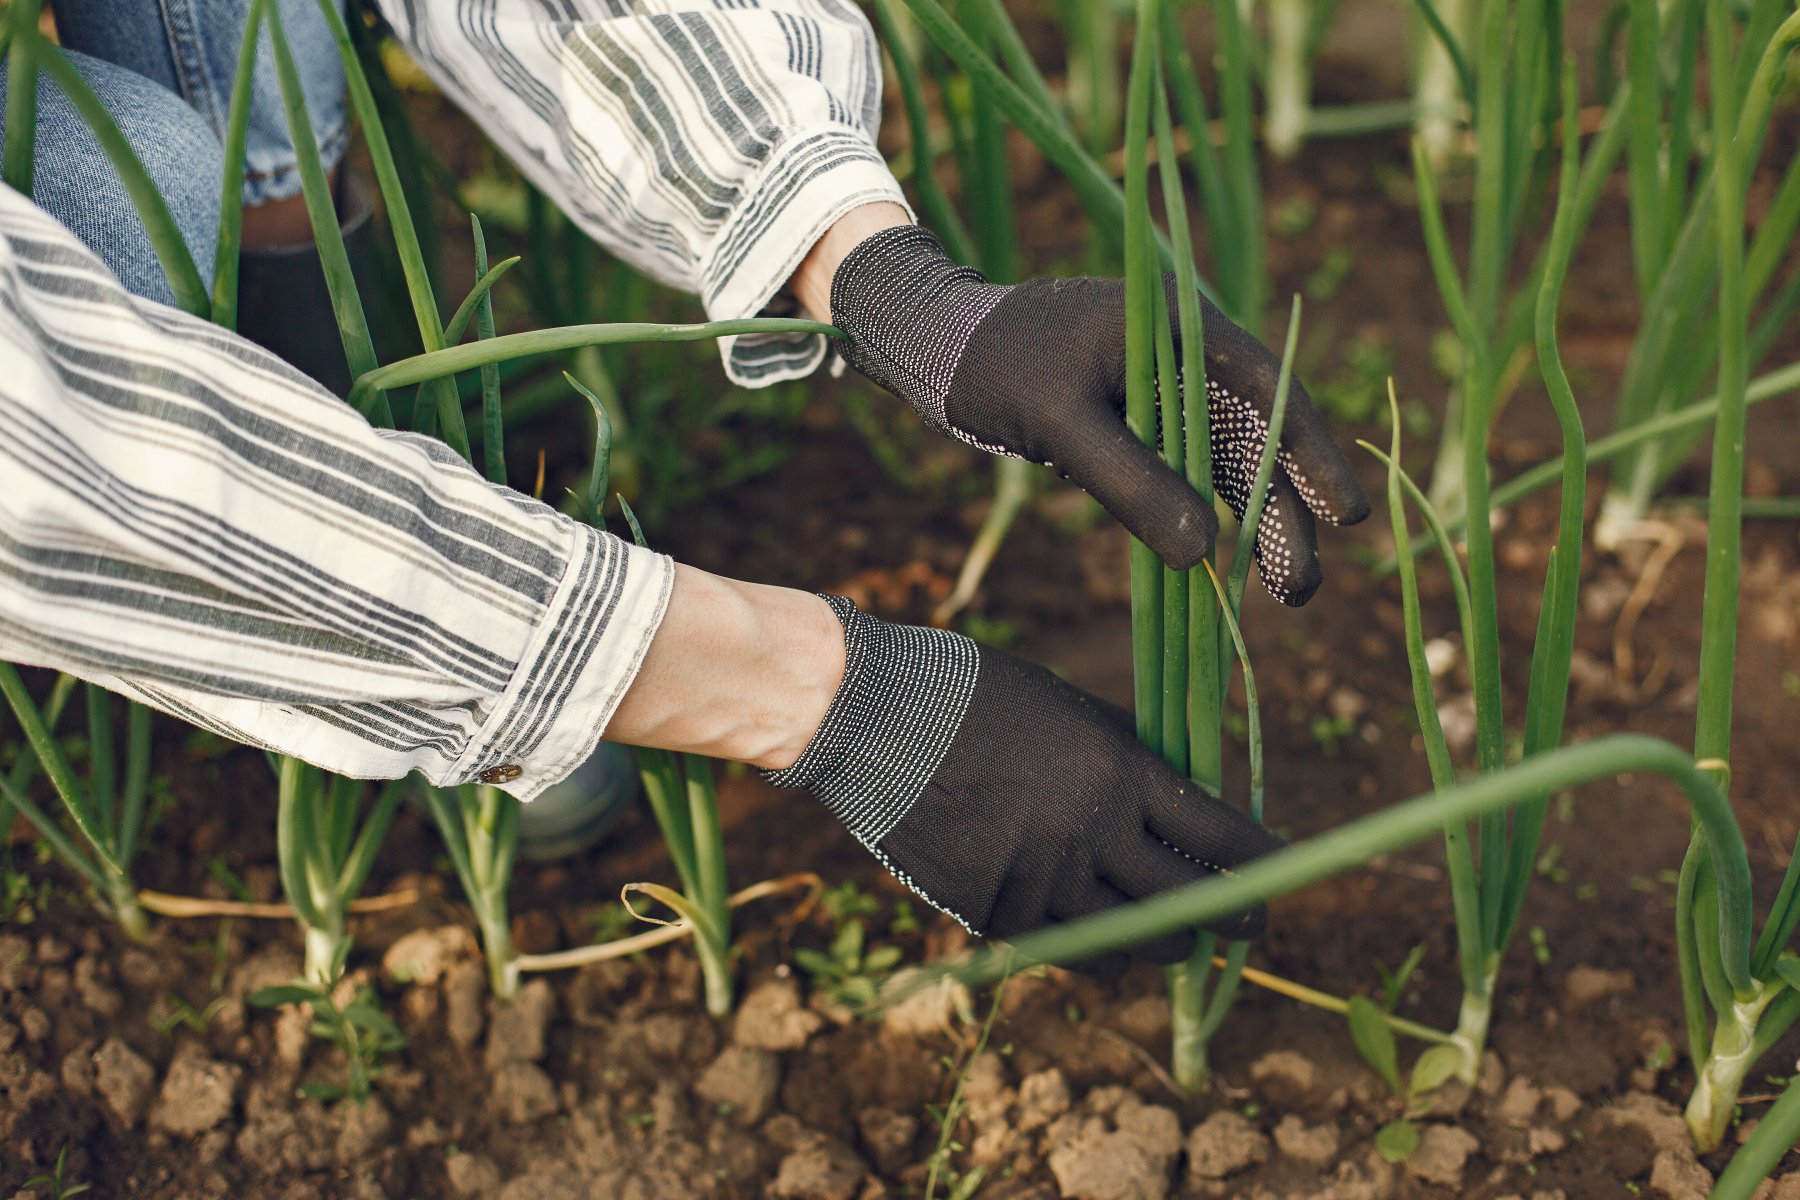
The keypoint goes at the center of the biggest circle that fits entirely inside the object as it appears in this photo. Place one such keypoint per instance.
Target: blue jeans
(164, 70)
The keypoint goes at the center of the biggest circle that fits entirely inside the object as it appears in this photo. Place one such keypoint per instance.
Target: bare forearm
(737, 670)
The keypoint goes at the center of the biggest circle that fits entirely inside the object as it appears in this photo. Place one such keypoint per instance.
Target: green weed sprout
(1750, 1010)
(360, 1029)
(106, 809)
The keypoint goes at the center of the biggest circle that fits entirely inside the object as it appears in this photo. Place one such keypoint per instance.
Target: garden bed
(612, 1082)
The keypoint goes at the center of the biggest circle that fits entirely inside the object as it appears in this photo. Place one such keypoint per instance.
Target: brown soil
(612, 1081)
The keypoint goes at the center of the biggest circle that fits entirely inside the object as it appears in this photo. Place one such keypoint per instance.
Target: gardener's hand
(1038, 371)
(1004, 796)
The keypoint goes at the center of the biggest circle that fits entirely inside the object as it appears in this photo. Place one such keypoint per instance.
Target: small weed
(1328, 278)
(990, 631)
(1397, 1140)
(849, 972)
(846, 900)
(1358, 391)
(60, 1189)
(962, 1184)
(1540, 945)
(360, 1029)
(1293, 217)
(1549, 864)
(181, 1014)
(1330, 732)
(1394, 982)
(609, 922)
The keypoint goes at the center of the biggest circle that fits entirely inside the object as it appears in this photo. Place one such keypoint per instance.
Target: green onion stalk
(1680, 342)
(1287, 76)
(678, 787)
(106, 809)
(1442, 81)
(324, 853)
(1406, 823)
(1514, 71)
(1748, 1013)
(1179, 667)
(1491, 870)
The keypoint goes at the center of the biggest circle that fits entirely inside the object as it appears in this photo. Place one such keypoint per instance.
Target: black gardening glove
(1038, 371)
(1006, 797)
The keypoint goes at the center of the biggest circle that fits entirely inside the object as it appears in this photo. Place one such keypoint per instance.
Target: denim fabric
(75, 181)
(191, 48)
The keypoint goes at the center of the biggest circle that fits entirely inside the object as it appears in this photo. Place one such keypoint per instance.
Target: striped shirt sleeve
(710, 143)
(186, 519)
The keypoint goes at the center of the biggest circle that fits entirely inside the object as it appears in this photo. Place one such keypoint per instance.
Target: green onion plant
(1491, 870)
(325, 844)
(1677, 172)
(106, 809)
(1749, 1009)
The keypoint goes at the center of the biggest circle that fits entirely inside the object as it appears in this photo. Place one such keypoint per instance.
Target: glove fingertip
(1184, 541)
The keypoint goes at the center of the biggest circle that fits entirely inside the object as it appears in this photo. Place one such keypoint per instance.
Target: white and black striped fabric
(186, 519)
(709, 143)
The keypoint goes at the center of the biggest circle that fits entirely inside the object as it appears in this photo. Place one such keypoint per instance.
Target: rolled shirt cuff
(798, 194)
(575, 669)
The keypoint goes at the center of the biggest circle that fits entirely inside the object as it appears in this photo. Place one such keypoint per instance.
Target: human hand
(1037, 371)
(1006, 797)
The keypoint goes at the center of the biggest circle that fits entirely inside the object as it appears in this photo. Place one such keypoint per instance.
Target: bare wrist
(811, 282)
(737, 670)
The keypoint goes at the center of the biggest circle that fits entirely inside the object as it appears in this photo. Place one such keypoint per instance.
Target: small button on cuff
(505, 774)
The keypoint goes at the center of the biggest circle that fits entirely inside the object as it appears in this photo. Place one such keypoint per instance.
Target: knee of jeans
(76, 183)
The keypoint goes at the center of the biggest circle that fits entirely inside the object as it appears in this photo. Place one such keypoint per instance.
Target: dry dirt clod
(1315, 1145)
(1659, 1120)
(1443, 1152)
(196, 1094)
(473, 1175)
(743, 1080)
(34, 1023)
(523, 1093)
(1563, 1103)
(1785, 1188)
(1678, 1176)
(771, 1017)
(1285, 1077)
(96, 994)
(1043, 1097)
(465, 994)
(363, 1129)
(1225, 1143)
(888, 1135)
(125, 1081)
(1519, 1104)
(1097, 1165)
(546, 1181)
(518, 1029)
(1585, 985)
(16, 971)
(931, 1010)
(1546, 1140)
(422, 956)
(820, 1169)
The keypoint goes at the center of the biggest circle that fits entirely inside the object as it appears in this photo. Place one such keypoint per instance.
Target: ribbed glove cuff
(907, 312)
(902, 701)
